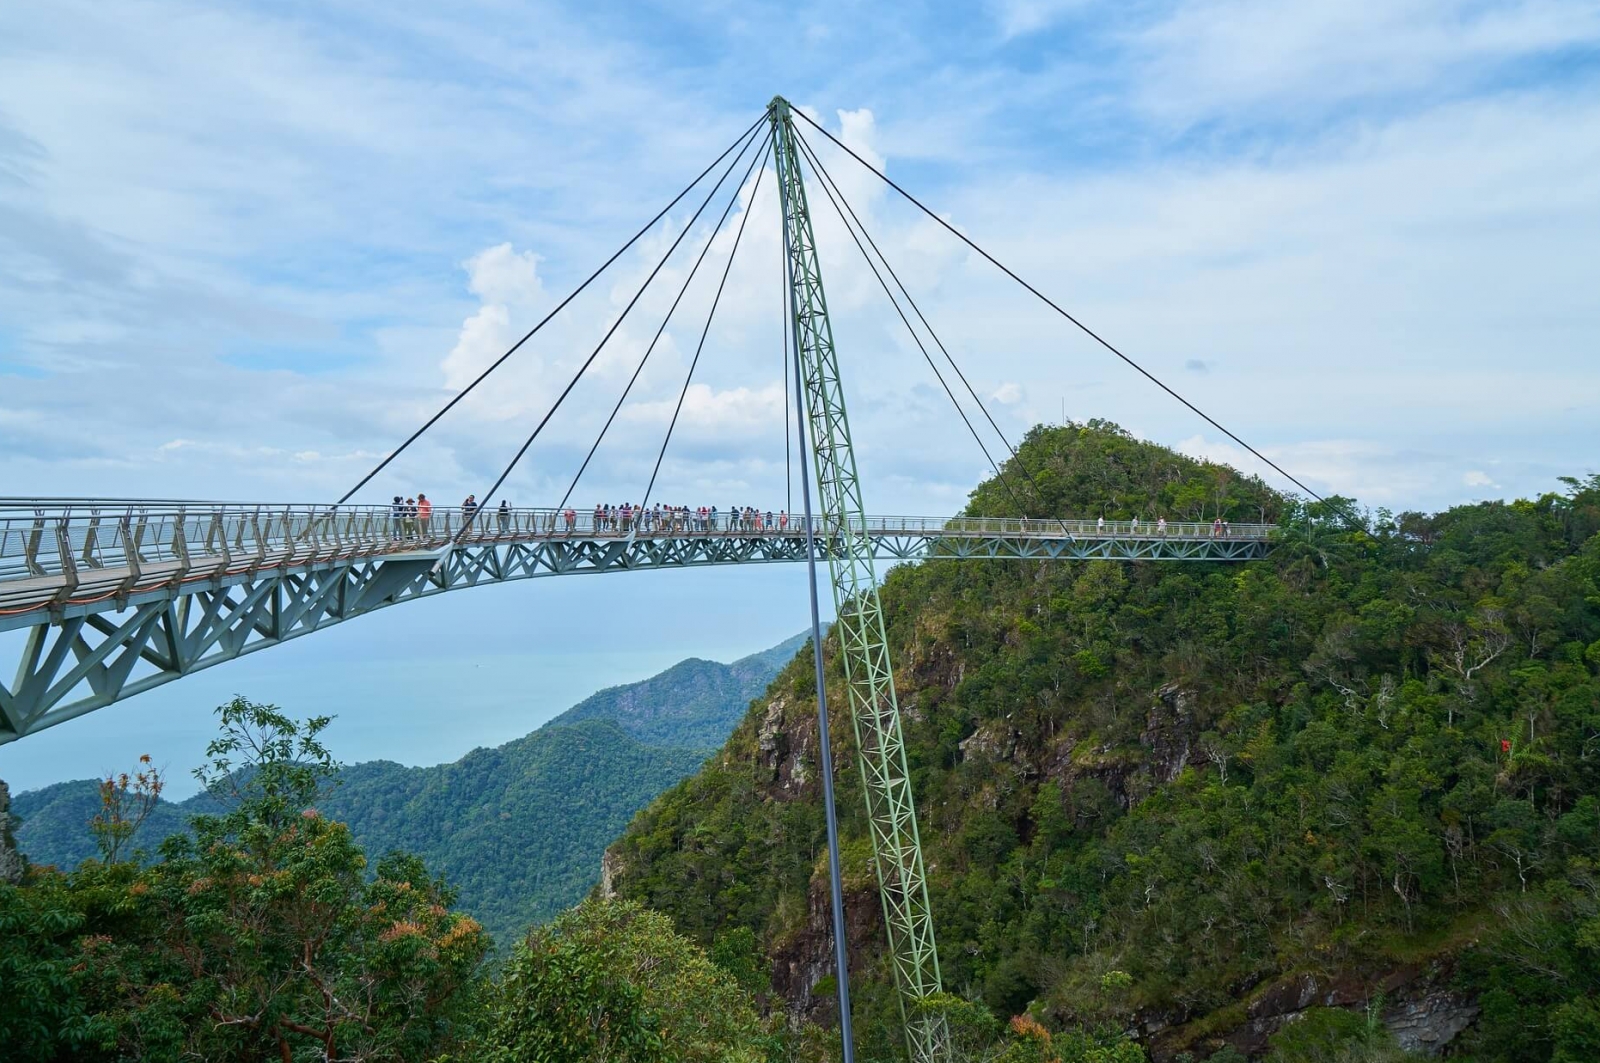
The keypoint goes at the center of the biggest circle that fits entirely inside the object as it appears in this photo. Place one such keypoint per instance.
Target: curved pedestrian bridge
(101, 599)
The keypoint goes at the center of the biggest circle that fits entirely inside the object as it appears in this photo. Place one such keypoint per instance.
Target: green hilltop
(1349, 788)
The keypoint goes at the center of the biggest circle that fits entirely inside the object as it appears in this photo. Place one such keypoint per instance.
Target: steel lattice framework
(864, 646)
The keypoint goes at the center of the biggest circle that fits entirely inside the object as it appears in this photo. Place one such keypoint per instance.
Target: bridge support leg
(869, 678)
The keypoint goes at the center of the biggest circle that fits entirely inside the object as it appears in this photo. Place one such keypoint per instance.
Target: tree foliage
(1380, 745)
(612, 981)
(260, 937)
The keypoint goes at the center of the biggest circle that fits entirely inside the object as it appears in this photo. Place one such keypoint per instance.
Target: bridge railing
(55, 538)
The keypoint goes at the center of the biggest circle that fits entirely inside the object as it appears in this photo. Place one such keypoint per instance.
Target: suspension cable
(737, 236)
(828, 178)
(741, 138)
(915, 337)
(469, 519)
(664, 323)
(1085, 329)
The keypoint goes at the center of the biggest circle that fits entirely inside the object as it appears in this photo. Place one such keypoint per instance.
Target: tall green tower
(869, 679)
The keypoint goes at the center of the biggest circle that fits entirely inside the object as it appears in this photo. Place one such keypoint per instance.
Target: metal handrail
(57, 537)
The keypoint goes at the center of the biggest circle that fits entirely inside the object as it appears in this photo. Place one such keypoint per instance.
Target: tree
(262, 937)
(613, 981)
(43, 1011)
(125, 803)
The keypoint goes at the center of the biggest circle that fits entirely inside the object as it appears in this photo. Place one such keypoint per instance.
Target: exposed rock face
(772, 741)
(797, 968)
(1419, 1011)
(995, 740)
(10, 859)
(784, 746)
(1130, 774)
(1430, 1022)
(1169, 731)
(609, 866)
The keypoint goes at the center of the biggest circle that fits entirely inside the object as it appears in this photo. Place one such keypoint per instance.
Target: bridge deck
(65, 554)
(112, 598)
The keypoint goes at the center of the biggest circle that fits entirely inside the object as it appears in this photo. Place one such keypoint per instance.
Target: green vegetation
(259, 935)
(518, 830)
(260, 938)
(695, 704)
(1376, 753)
(614, 981)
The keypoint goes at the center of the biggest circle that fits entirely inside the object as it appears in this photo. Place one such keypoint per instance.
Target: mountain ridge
(708, 699)
(518, 828)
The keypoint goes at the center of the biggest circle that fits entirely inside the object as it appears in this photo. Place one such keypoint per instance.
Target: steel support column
(869, 677)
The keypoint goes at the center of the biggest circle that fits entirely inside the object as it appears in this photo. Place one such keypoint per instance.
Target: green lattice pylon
(869, 679)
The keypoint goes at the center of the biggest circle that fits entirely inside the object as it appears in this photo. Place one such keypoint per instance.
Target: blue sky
(246, 248)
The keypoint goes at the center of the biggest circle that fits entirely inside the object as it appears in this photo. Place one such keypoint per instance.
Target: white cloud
(729, 415)
(1476, 478)
(484, 337)
(1213, 57)
(1007, 394)
(502, 275)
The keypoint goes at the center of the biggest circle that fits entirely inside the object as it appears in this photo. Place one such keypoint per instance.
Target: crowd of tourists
(413, 518)
(682, 520)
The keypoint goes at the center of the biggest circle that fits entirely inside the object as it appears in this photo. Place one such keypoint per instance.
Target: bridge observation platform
(112, 597)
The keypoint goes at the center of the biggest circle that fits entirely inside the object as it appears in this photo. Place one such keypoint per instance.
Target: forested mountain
(694, 704)
(519, 829)
(1198, 801)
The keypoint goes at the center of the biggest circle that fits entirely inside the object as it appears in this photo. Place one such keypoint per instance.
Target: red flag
(1505, 745)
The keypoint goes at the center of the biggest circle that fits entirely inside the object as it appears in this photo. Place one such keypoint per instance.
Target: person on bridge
(505, 515)
(410, 520)
(1100, 526)
(1133, 526)
(572, 520)
(468, 507)
(397, 518)
(1216, 528)
(424, 513)
(1161, 527)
